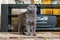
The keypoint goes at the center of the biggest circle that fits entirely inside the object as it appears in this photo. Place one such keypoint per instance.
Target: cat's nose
(33, 10)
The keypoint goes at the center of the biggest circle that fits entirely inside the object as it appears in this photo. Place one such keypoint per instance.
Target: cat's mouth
(32, 11)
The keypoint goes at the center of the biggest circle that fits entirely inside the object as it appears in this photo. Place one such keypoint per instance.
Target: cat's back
(22, 18)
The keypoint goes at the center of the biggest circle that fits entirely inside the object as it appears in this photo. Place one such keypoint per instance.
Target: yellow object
(56, 11)
(37, 1)
(46, 1)
(46, 11)
(58, 1)
(14, 21)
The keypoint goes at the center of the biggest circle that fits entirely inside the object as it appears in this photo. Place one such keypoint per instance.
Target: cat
(27, 20)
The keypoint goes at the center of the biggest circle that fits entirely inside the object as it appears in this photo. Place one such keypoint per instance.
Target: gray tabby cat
(27, 20)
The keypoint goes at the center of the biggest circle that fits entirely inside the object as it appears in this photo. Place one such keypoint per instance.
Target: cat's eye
(34, 7)
(30, 7)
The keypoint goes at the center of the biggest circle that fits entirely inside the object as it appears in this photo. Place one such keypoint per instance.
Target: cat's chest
(30, 16)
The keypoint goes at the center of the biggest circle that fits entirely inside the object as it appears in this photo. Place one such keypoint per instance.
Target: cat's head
(32, 8)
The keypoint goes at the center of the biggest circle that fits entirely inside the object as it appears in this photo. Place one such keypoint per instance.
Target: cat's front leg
(28, 28)
(34, 26)
(33, 29)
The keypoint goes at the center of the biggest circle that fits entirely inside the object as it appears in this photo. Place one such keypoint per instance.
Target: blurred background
(14, 20)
